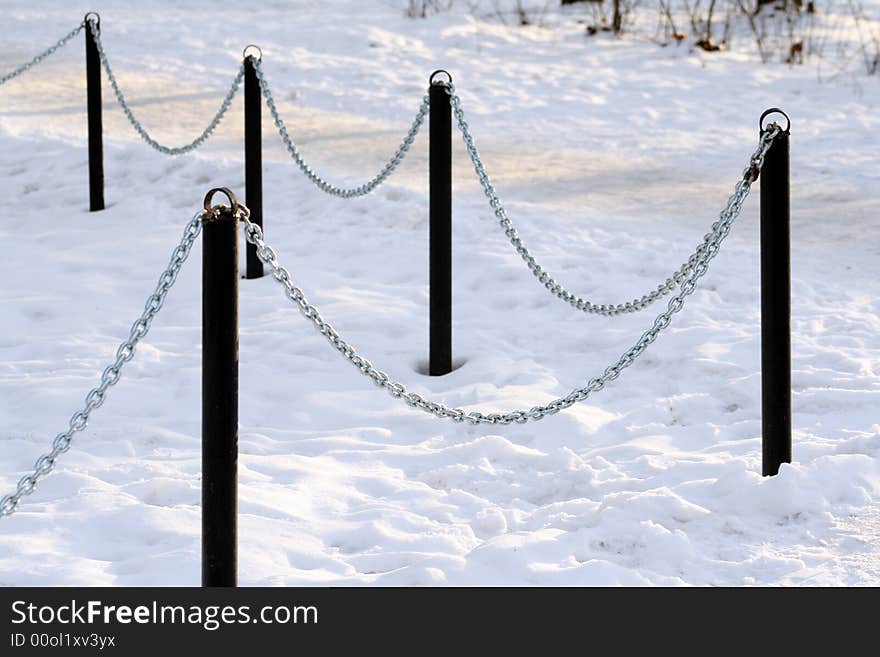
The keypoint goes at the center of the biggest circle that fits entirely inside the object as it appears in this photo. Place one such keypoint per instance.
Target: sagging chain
(139, 128)
(124, 353)
(721, 228)
(552, 285)
(319, 181)
(46, 53)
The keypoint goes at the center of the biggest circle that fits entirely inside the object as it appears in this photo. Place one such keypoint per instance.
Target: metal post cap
(440, 71)
(771, 111)
(258, 57)
(233, 202)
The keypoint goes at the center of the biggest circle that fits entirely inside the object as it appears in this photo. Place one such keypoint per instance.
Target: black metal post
(93, 102)
(219, 394)
(776, 304)
(440, 222)
(253, 156)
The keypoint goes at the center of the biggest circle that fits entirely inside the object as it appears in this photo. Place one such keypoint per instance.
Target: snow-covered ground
(614, 156)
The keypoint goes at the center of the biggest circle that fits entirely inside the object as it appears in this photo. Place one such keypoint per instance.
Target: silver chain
(167, 150)
(79, 420)
(49, 51)
(539, 272)
(322, 183)
(721, 228)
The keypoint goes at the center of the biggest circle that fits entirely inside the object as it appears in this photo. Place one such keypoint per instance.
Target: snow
(614, 157)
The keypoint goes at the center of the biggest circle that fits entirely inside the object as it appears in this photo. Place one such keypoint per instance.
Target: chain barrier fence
(769, 160)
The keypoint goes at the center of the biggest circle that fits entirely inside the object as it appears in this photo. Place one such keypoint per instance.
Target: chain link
(553, 286)
(139, 128)
(322, 183)
(721, 228)
(46, 53)
(125, 352)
